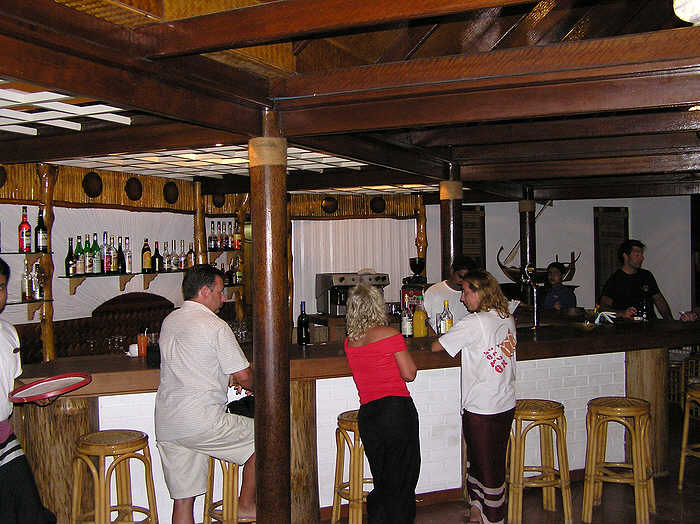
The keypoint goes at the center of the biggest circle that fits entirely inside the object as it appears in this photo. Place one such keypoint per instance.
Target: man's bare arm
(662, 306)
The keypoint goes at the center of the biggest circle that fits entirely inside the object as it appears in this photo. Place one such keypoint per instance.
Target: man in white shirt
(450, 290)
(19, 499)
(200, 360)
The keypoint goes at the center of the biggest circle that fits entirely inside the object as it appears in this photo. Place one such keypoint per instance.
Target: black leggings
(389, 433)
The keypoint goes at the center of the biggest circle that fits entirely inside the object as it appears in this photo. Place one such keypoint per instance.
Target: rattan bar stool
(548, 416)
(633, 414)
(693, 450)
(123, 445)
(351, 490)
(224, 511)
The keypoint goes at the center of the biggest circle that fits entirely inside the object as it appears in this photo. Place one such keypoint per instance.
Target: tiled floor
(618, 500)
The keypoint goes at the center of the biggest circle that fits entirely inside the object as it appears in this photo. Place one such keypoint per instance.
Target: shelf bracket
(147, 279)
(32, 308)
(124, 280)
(74, 282)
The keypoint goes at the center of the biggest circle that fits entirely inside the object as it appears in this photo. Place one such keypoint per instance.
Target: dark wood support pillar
(200, 233)
(268, 209)
(450, 218)
(47, 175)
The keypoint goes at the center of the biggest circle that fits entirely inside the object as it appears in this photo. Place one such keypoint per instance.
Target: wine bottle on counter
(24, 232)
(303, 333)
(406, 320)
(128, 264)
(211, 239)
(41, 234)
(96, 255)
(146, 260)
(189, 257)
(121, 259)
(70, 259)
(79, 257)
(89, 258)
(157, 260)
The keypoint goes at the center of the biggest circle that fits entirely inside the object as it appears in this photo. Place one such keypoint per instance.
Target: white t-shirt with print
(488, 376)
(434, 300)
(10, 366)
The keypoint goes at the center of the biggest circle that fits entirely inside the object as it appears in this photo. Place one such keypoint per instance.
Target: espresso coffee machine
(332, 289)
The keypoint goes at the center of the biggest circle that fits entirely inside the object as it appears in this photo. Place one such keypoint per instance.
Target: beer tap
(527, 277)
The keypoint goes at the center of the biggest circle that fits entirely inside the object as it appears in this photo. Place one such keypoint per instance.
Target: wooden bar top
(118, 374)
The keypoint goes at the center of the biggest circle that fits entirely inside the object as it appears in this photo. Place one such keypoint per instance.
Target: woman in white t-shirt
(487, 340)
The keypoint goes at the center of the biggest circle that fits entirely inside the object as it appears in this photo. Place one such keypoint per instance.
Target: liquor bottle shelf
(32, 306)
(124, 278)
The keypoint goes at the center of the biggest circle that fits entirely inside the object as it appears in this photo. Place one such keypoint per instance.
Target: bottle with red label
(24, 231)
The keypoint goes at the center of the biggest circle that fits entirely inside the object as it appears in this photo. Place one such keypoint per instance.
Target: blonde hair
(365, 310)
(489, 291)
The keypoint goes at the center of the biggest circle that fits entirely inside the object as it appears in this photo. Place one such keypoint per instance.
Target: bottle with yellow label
(420, 318)
(445, 318)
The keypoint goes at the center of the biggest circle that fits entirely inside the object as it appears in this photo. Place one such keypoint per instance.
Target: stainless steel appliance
(332, 289)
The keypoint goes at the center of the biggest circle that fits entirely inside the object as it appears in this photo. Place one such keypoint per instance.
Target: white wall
(663, 224)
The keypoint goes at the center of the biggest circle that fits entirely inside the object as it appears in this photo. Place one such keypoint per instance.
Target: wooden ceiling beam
(287, 20)
(586, 60)
(125, 88)
(377, 153)
(580, 168)
(131, 139)
(588, 127)
(63, 30)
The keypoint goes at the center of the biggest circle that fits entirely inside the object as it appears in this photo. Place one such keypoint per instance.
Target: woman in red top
(387, 419)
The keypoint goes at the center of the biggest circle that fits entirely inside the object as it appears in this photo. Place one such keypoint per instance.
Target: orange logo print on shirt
(495, 356)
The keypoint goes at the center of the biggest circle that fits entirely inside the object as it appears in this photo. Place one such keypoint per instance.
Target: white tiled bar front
(570, 380)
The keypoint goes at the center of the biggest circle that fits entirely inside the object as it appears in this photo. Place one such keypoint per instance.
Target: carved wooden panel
(610, 229)
(474, 234)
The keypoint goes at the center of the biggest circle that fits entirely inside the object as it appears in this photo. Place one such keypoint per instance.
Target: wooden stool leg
(639, 471)
(515, 513)
(356, 474)
(209, 495)
(646, 450)
(77, 490)
(565, 481)
(123, 484)
(589, 476)
(150, 487)
(547, 460)
(684, 441)
(339, 467)
(601, 448)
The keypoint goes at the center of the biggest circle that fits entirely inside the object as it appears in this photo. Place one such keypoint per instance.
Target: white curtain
(331, 246)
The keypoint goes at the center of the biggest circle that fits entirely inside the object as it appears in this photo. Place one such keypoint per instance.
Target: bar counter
(550, 345)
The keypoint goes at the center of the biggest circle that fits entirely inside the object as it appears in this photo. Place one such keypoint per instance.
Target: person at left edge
(387, 419)
(19, 498)
(200, 360)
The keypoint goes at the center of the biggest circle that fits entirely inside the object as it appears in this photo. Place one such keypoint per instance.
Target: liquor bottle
(406, 320)
(420, 318)
(121, 259)
(237, 235)
(27, 292)
(231, 275)
(182, 263)
(79, 257)
(106, 263)
(146, 261)
(303, 333)
(218, 234)
(211, 239)
(41, 234)
(113, 261)
(175, 256)
(229, 236)
(96, 255)
(166, 258)
(24, 232)
(239, 270)
(190, 256)
(89, 259)
(37, 282)
(225, 245)
(70, 259)
(128, 263)
(157, 260)
(445, 318)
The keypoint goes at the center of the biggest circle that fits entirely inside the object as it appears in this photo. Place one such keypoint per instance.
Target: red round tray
(50, 387)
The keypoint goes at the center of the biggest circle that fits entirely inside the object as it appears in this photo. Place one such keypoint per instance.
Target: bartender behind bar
(450, 290)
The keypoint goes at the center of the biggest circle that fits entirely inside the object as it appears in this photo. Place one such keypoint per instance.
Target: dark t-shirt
(561, 294)
(631, 290)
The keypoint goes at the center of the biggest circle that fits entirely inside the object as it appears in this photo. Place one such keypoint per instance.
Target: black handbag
(244, 406)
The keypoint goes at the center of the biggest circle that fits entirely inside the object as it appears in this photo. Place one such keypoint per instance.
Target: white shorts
(186, 460)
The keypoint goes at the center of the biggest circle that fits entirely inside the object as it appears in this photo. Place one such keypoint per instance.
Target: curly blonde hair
(489, 291)
(366, 310)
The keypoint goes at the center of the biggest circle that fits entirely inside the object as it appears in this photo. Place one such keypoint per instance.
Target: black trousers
(389, 433)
